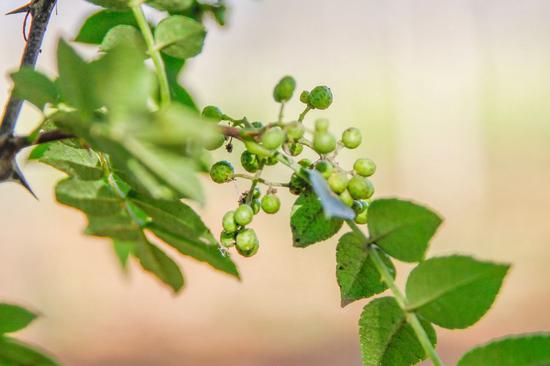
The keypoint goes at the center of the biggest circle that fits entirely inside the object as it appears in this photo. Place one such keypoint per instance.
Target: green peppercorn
(271, 203)
(273, 138)
(360, 187)
(222, 171)
(228, 222)
(324, 142)
(247, 242)
(324, 167)
(364, 167)
(213, 113)
(351, 138)
(338, 182)
(244, 215)
(320, 97)
(284, 89)
(250, 161)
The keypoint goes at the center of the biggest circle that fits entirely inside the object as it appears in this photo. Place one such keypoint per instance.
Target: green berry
(271, 203)
(270, 160)
(304, 97)
(360, 187)
(244, 215)
(351, 138)
(320, 97)
(305, 163)
(295, 131)
(324, 167)
(273, 138)
(250, 161)
(358, 206)
(227, 240)
(293, 148)
(213, 113)
(215, 143)
(228, 222)
(346, 198)
(324, 142)
(361, 217)
(256, 204)
(321, 124)
(247, 242)
(296, 185)
(222, 171)
(364, 167)
(284, 89)
(338, 182)
(257, 124)
(257, 193)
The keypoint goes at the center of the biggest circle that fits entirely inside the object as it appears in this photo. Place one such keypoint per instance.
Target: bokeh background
(453, 99)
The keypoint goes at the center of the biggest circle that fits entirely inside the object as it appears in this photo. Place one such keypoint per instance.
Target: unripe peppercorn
(227, 240)
(256, 204)
(293, 148)
(257, 124)
(324, 142)
(364, 167)
(284, 89)
(324, 167)
(295, 131)
(247, 242)
(304, 97)
(271, 203)
(321, 124)
(361, 217)
(228, 222)
(338, 182)
(244, 215)
(273, 138)
(351, 138)
(305, 163)
(215, 143)
(346, 198)
(320, 97)
(360, 187)
(250, 161)
(212, 112)
(222, 171)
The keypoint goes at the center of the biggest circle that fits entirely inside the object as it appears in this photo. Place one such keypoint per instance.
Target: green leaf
(123, 250)
(75, 80)
(179, 94)
(179, 36)
(356, 273)
(154, 260)
(520, 350)
(179, 226)
(16, 353)
(93, 197)
(112, 4)
(117, 226)
(122, 82)
(34, 87)
(455, 291)
(14, 318)
(78, 162)
(308, 222)
(126, 36)
(386, 338)
(332, 205)
(97, 25)
(401, 228)
(171, 5)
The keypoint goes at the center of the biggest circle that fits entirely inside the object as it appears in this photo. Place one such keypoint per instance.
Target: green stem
(412, 319)
(154, 53)
(303, 114)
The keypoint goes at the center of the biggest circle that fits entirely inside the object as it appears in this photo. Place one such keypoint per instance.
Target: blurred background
(453, 99)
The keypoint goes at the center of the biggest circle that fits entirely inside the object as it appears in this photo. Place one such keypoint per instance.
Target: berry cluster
(269, 144)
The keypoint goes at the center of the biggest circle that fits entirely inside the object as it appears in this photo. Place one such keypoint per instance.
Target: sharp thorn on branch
(23, 9)
(18, 177)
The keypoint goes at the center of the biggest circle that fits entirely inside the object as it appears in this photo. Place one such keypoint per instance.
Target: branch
(40, 11)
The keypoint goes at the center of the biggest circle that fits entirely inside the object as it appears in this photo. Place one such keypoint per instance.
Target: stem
(154, 53)
(303, 114)
(281, 112)
(41, 11)
(412, 319)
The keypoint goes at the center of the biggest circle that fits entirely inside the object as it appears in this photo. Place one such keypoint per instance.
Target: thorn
(23, 9)
(18, 176)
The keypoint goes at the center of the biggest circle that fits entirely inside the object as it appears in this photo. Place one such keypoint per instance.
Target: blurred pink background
(453, 99)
